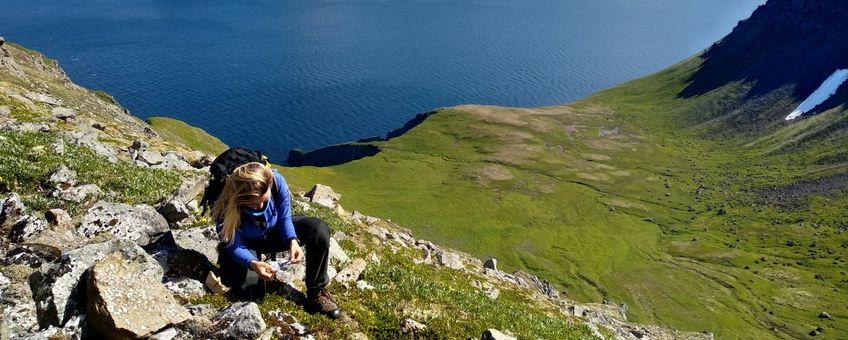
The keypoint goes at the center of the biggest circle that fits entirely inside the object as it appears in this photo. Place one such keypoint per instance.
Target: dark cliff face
(788, 44)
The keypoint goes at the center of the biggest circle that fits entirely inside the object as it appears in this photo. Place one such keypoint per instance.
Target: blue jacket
(277, 213)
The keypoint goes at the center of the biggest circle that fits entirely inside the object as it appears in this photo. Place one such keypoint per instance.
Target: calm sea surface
(278, 74)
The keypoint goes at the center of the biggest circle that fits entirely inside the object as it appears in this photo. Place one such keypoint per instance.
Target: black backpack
(222, 167)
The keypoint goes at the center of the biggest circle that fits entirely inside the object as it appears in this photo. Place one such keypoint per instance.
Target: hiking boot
(322, 302)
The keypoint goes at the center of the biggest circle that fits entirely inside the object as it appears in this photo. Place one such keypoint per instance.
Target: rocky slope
(102, 239)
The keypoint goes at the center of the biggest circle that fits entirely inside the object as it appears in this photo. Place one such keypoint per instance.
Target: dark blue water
(277, 74)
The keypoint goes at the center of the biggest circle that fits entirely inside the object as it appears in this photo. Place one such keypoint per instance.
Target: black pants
(312, 233)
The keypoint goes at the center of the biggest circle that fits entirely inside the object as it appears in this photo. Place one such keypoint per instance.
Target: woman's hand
(295, 251)
(263, 270)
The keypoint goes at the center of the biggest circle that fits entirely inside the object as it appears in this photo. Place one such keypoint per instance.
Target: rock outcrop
(139, 223)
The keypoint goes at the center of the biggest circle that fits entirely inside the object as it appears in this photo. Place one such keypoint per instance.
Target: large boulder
(323, 195)
(241, 320)
(60, 291)
(122, 304)
(139, 223)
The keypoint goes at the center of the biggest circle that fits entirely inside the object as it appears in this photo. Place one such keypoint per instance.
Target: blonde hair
(246, 183)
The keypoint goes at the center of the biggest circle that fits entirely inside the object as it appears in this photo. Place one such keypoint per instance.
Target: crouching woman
(253, 212)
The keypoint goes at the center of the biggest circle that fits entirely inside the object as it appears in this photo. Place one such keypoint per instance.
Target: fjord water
(278, 74)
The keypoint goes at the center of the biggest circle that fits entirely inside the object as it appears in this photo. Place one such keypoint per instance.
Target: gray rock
(491, 263)
(241, 320)
(18, 310)
(351, 272)
(151, 157)
(202, 240)
(426, 257)
(63, 178)
(26, 227)
(123, 304)
(337, 254)
(174, 211)
(88, 138)
(186, 289)
(323, 195)
(81, 193)
(166, 334)
(12, 210)
(60, 289)
(449, 260)
(5, 111)
(824, 315)
(58, 146)
(189, 189)
(33, 127)
(172, 160)
(63, 113)
(138, 223)
(43, 98)
(494, 334)
(543, 286)
(411, 326)
(339, 235)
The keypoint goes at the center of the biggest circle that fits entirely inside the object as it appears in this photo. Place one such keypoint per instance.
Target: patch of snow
(826, 90)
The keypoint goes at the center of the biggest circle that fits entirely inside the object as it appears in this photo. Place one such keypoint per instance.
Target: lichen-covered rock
(18, 310)
(138, 223)
(80, 194)
(185, 289)
(60, 290)
(449, 260)
(11, 209)
(172, 160)
(26, 227)
(63, 113)
(241, 320)
(88, 138)
(323, 195)
(337, 254)
(151, 157)
(544, 286)
(202, 240)
(174, 211)
(63, 178)
(351, 272)
(122, 304)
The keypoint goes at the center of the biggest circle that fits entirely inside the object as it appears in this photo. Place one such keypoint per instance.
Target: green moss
(187, 135)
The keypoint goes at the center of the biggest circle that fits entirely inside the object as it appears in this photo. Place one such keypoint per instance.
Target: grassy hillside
(191, 137)
(630, 195)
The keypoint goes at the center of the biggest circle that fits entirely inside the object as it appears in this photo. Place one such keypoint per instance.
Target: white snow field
(825, 91)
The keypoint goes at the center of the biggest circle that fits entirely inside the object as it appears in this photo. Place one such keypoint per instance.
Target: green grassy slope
(191, 137)
(659, 214)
